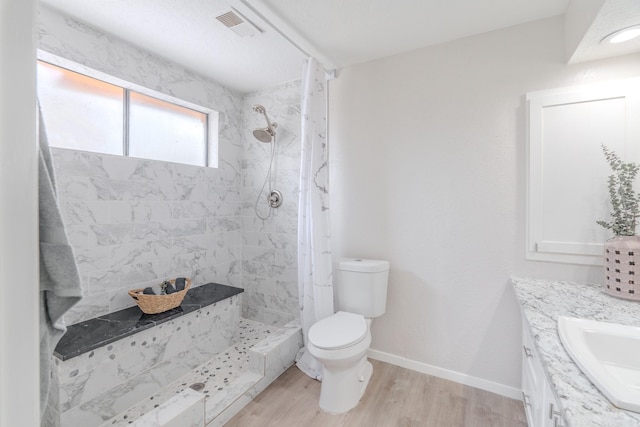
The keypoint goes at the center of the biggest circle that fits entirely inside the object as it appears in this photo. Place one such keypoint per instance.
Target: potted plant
(622, 252)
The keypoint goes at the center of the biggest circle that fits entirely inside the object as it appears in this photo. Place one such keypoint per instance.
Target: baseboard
(447, 374)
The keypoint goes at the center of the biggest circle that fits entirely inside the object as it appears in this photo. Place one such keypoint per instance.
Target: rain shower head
(268, 133)
(263, 135)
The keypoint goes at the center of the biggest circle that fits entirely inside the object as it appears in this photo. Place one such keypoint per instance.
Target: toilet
(341, 341)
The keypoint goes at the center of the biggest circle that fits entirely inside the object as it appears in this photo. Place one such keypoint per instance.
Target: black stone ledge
(100, 331)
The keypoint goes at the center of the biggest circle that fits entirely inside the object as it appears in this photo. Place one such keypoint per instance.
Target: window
(82, 113)
(163, 131)
(86, 113)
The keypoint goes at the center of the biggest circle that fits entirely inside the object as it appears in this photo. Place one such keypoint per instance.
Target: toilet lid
(338, 331)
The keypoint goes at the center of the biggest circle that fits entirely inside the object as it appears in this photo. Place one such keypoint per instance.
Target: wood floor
(395, 397)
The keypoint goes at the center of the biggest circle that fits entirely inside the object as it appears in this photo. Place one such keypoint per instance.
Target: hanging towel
(60, 285)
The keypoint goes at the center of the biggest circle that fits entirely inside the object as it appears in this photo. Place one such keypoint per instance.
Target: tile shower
(133, 222)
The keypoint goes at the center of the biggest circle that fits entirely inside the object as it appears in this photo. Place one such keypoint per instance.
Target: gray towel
(60, 285)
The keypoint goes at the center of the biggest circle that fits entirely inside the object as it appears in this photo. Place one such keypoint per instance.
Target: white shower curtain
(315, 278)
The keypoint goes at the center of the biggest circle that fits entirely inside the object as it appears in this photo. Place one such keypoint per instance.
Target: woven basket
(154, 304)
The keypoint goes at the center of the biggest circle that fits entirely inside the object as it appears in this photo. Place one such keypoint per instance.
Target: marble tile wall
(134, 222)
(99, 385)
(186, 409)
(269, 247)
(231, 379)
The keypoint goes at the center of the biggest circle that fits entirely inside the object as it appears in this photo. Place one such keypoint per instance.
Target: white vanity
(555, 391)
(540, 403)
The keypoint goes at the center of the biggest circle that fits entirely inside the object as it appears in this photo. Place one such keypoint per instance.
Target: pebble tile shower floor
(217, 375)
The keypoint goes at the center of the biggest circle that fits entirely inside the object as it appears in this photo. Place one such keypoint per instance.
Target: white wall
(428, 171)
(19, 362)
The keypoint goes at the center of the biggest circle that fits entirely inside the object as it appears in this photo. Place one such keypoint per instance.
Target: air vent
(230, 19)
(238, 23)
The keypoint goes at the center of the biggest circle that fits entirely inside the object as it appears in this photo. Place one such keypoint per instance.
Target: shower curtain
(315, 279)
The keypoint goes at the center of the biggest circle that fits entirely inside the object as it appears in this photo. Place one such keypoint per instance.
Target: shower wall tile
(75, 188)
(267, 316)
(92, 306)
(98, 385)
(140, 211)
(251, 223)
(218, 224)
(190, 209)
(79, 236)
(269, 247)
(133, 222)
(83, 211)
(93, 259)
(186, 409)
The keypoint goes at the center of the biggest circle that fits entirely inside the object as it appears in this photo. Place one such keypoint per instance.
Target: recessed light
(623, 35)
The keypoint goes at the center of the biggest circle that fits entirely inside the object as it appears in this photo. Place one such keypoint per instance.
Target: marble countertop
(542, 302)
(100, 331)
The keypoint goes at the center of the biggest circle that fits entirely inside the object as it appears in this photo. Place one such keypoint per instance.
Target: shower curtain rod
(279, 25)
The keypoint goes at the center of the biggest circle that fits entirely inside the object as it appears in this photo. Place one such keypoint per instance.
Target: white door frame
(19, 277)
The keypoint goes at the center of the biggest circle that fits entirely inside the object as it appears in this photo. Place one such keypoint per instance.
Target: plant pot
(622, 267)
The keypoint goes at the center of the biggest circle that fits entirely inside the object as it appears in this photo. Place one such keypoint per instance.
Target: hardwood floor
(395, 397)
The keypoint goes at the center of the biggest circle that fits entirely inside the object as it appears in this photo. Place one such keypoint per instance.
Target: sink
(608, 354)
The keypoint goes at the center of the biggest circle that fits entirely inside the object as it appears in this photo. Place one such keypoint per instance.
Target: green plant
(624, 201)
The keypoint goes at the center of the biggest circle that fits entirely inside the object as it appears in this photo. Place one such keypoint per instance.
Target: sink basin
(609, 354)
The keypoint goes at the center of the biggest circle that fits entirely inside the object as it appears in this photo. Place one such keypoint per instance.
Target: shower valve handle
(275, 199)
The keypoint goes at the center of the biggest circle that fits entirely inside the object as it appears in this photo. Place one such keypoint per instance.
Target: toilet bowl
(340, 342)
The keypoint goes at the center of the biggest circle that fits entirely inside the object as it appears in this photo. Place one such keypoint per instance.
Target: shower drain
(197, 386)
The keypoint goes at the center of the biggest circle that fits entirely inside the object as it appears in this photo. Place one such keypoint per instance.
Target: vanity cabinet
(540, 403)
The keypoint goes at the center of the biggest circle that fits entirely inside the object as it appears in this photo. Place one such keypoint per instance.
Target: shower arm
(270, 126)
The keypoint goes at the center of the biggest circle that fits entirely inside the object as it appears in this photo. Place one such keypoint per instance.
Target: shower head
(263, 135)
(268, 133)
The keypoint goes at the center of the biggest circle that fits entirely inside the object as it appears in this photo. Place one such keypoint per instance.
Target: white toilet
(340, 341)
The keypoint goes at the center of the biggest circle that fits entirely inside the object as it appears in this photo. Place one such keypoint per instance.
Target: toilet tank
(361, 286)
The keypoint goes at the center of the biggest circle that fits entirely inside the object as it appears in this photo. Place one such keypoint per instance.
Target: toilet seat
(338, 331)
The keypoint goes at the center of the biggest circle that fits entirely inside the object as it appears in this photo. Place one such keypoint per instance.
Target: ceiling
(356, 31)
(341, 33)
(612, 15)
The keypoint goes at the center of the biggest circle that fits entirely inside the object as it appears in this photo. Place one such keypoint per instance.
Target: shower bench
(129, 368)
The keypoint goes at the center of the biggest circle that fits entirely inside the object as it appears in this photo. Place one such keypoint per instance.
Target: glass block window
(86, 113)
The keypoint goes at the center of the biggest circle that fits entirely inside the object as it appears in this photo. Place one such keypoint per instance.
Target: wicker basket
(154, 304)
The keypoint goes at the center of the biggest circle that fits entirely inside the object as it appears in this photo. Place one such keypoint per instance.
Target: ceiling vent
(238, 23)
